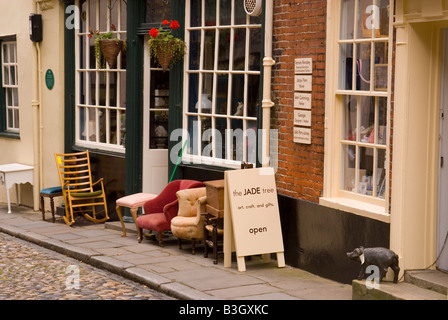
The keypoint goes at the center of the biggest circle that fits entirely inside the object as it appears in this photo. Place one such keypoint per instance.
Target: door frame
(147, 153)
(442, 222)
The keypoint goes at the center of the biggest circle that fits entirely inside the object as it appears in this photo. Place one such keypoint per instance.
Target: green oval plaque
(49, 79)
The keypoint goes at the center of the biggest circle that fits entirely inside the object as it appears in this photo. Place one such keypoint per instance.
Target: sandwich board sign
(251, 216)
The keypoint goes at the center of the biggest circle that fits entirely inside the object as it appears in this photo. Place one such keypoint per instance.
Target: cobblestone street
(29, 272)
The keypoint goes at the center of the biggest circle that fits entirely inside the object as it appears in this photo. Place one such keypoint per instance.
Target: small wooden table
(15, 173)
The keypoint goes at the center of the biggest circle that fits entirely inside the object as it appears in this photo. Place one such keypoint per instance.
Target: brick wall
(299, 32)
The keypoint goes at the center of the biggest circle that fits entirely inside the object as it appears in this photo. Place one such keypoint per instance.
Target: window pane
(221, 94)
(6, 75)
(193, 135)
(367, 119)
(239, 49)
(209, 50)
(5, 54)
(347, 19)
(224, 12)
(253, 89)
(237, 100)
(236, 136)
(206, 124)
(210, 12)
(103, 117)
(195, 15)
(366, 23)
(16, 118)
(382, 121)
(254, 49)
(363, 66)
(365, 170)
(240, 14)
(220, 138)
(15, 97)
(224, 49)
(251, 142)
(207, 84)
(9, 97)
(350, 113)
(380, 173)
(346, 67)
(12, 52)
(380, 74)
(195, 49)
(384, 9)
(193, 92)
(10, 118)
(348, 167)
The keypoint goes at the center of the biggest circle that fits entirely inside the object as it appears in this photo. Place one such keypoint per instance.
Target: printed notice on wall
(252, 206)
(303, 85)
(302, 135)
(303, 66)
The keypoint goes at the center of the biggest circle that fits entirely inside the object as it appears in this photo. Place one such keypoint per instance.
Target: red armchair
(159, 211)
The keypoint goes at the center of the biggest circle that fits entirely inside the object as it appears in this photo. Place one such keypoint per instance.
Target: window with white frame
(10, 85)
(221, 82)
(362, 98)
(100, 108)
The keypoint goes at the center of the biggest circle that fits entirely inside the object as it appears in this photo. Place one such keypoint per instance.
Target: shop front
(372, 171)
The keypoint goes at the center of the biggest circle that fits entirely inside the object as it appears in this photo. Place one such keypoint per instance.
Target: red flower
(153, 32)
(174, 24)
(165, 22)
(113, 27)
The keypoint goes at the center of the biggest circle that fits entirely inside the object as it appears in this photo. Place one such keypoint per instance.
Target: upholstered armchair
(189, 222)
(159, 212)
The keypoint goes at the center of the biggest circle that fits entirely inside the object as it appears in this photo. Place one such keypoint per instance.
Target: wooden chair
(80, 193)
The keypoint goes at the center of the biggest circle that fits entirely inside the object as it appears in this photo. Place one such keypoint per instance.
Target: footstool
(133, 202)
(49, 193)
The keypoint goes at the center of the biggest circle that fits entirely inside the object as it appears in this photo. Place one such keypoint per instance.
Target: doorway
(155, 125)
(442, 217)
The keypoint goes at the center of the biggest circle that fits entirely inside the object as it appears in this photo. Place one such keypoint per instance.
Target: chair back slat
(74, 171)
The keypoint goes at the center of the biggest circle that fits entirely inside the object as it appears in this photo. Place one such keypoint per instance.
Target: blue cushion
(51, 191)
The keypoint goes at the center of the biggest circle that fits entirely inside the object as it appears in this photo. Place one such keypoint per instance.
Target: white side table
(15, 173)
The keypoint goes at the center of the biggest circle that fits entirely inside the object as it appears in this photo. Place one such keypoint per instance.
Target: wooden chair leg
(193, 246)
(140, 235)
(179, 240)
(215, 244)
(160, 239)
(42, 207)
(52, 208)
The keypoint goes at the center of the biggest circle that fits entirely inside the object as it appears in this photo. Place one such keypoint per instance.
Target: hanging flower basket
(165, 48)
(110, 48)
(107, 47)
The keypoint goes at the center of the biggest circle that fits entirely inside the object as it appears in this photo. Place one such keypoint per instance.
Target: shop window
(100, 108)
(10, 87)
(221, 82)
(360, 107)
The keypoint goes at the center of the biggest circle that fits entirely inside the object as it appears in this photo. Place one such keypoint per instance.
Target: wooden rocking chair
(80, 193)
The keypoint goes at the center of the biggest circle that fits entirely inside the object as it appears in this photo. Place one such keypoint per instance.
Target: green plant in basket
(164, 47)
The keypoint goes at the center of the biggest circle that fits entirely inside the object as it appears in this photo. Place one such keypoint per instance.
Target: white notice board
(251, 215)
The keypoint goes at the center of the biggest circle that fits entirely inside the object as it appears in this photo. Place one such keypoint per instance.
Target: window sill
(11, 135)
(357, 207)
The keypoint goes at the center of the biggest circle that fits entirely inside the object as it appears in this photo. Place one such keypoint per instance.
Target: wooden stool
(49, 193)
(133, 202)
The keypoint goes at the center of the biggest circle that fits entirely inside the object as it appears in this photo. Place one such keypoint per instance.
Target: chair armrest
(99, 180)
(170, 210)
(201, 208)
(154, 205)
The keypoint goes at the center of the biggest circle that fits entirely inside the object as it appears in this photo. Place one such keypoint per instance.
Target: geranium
(162, 42)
